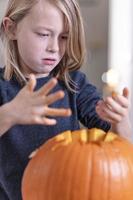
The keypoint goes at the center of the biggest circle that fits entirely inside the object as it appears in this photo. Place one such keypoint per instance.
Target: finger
(57, 112)
(99, 102)
(108, 115)
(47, 100)
(104, 117)
(113, 116)
(100, 112)
(44, 120)
(111, 121)
(117, 100)
(116, 108)
(54, 97)
(110, 112)
(31, 83)
(47, 111)
(47, 87)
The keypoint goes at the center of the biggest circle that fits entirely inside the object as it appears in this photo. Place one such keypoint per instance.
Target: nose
(53, 45)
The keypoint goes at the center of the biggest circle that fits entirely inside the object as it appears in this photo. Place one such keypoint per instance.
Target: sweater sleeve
(87, 98)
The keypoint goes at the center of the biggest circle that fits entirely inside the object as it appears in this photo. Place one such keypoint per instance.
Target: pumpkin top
(84, 136)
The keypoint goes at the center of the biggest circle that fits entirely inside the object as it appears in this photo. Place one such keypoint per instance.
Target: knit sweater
(20, 140)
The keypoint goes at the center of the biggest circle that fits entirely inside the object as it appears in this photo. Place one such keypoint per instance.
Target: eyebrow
(50, 29)
(46, 28)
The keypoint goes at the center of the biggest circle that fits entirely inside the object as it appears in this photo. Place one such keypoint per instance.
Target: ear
(10, 28)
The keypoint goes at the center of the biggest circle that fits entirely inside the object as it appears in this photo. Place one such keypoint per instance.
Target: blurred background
(109, 39)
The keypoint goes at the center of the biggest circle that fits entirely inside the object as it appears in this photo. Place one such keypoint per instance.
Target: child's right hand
(32, 107)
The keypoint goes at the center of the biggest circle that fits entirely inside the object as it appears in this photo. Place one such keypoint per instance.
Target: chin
(47, 69)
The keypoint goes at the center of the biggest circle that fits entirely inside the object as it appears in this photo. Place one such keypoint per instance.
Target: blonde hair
(75, 51)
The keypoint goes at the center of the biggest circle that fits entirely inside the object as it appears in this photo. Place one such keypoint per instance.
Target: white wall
(121, 43)
(96, 26)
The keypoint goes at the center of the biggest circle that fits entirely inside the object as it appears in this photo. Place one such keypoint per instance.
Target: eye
(64, 37)
(43, 34)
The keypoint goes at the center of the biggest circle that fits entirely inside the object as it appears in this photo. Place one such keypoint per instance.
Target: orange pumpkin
(81, 165)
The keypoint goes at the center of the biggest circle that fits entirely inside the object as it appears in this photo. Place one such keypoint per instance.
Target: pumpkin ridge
(118, 156)
(76, 168)
(114, 173)
(49, 168)
(86, 165)
(96, 183)
(124, 165)
(60, 170)
(105, 173)
(100, 153)
(131, 168)
(48, 178)
(73, 167)
(92, 172)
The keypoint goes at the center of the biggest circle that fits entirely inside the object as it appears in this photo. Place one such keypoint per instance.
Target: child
(44, 41)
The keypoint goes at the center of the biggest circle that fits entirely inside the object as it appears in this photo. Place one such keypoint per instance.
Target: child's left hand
(115, 109)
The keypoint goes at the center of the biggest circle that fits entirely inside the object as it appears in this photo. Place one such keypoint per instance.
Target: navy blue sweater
(17, 143)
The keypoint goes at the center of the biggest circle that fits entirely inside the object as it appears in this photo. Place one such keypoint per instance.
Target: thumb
(32, 82)
(126, 92)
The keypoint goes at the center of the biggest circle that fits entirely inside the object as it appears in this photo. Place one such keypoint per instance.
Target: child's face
(41, 39)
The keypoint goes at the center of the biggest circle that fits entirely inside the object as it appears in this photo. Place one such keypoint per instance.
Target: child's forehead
(44, 5)
(46, 11)
(46, 15)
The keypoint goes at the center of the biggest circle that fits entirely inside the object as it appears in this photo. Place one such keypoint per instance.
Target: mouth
(49, 61)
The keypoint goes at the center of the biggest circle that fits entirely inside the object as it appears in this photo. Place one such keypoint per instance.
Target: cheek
(63, 48)
(25, 50)
(29, 47)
